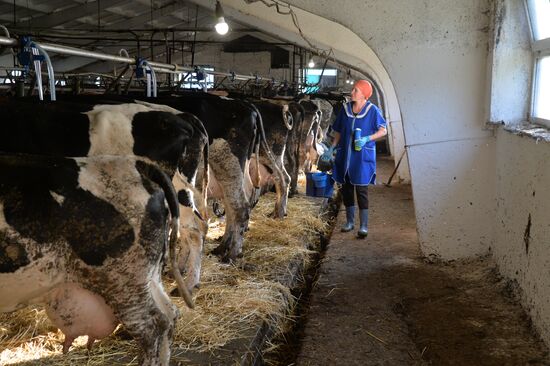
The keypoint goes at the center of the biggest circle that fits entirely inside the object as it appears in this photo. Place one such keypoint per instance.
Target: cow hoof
(276, 215)
(220, 250)
(123, 334)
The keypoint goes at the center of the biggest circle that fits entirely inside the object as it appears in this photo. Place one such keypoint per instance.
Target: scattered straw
(234, 299)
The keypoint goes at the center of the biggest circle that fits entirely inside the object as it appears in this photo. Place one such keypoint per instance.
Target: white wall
(520, 248)
(435, 53)
(523, 190)
(249, 63)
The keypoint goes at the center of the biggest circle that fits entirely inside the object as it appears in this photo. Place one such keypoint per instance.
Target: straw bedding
(232, 303)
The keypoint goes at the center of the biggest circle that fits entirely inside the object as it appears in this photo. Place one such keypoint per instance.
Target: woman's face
(356, 95)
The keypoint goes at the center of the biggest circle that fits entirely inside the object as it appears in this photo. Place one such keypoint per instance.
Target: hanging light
(349, 80)
(221, 25)
(311, 63)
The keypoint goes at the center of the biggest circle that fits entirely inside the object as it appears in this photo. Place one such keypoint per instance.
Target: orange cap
(365, 87)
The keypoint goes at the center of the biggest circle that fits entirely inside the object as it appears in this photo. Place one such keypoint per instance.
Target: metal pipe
(51, 75)
(38, 74)
(158, 66)
(5, 30)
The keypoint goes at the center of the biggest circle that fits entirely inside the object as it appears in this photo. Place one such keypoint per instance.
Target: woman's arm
(378, 134)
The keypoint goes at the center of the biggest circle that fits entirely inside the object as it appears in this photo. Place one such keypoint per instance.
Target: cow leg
(252, 181)
(292, 168)
(149, 317)
(67, 343)
(230, 174)
(282, 181)
(237, 213)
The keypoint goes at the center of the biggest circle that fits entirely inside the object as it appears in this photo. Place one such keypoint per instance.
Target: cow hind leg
(282, 184)
(149, 317)
(236, 222)
(230, 174)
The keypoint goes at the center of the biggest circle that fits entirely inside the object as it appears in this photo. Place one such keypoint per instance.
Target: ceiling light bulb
(311, 64)
(222, 26)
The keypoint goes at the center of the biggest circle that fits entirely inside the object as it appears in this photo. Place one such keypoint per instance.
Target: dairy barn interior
(138, 135)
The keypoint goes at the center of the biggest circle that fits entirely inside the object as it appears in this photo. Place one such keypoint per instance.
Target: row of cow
(95, 192)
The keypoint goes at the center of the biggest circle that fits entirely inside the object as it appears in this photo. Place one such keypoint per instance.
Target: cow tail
(205, 154)
(161, 178)
(266, 147)
(318, 132)
(206, 174)
(287, 118)
(257, 142)
(197, 123)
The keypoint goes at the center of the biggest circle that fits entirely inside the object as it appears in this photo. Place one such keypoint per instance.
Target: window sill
(528, 129)
(536, 132)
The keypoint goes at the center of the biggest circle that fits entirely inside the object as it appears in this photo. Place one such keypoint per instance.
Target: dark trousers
(348, 191)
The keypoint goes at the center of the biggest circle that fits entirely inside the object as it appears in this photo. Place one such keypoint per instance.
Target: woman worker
(355, 130)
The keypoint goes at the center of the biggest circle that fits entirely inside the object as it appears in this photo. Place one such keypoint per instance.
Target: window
(313, 76)
(539, 14)
(541, 103)
(10, 76)
(191, 81)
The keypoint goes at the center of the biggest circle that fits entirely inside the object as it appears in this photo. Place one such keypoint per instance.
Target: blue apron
(360, 166)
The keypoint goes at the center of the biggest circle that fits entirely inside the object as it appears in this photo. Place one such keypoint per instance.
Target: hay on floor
(232, 302)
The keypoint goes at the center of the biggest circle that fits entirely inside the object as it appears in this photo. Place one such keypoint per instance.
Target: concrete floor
(377, 302)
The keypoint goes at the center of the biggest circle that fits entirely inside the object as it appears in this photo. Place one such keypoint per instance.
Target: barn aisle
(377, 302)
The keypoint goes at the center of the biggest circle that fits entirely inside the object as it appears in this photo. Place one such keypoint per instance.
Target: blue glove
(327, 155)
(359, 143)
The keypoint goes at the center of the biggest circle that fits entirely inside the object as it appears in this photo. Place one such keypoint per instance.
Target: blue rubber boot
(350, 218)
(364, 220)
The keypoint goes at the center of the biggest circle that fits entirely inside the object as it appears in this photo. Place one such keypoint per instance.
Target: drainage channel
(286, 347)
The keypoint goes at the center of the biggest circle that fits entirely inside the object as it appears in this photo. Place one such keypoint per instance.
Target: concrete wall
(522, 222)
(435, 53)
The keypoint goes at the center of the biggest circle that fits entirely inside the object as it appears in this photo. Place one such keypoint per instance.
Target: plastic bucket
(319, 184)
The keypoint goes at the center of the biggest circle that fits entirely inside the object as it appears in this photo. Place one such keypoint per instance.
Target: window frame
(540, 48)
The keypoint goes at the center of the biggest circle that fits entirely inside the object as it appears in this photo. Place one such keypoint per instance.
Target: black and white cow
(81, 129)
(277, 123)
(175, 140)
(88, 238)
(232, 132)
(231, 126)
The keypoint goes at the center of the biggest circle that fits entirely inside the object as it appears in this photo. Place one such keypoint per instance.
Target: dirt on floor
(378, 302)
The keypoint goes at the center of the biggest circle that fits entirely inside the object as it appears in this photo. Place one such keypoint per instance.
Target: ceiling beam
(70, 14)
(140, 20)
(24, 5)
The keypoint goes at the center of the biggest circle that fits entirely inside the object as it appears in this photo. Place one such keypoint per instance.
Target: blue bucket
(319, 184)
